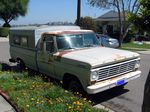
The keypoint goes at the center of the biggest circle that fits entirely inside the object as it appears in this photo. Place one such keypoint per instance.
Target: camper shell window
(16, 40)
(24, 41)
(21, 40)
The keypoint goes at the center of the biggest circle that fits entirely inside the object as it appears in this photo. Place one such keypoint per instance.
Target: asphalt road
(129, 99)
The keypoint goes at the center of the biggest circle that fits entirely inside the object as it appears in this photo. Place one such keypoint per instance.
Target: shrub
(116, 35)
(130, 37)
(87, 23)
(0, 67)
(4, 31)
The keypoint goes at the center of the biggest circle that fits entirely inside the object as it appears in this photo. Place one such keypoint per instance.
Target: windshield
(75, 41)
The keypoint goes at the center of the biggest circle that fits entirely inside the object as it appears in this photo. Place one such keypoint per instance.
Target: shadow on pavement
(107, 95)
(146, 100)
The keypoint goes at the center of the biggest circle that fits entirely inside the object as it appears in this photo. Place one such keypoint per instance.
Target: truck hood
(97, 56)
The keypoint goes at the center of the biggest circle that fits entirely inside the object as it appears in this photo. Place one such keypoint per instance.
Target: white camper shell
(29, 36)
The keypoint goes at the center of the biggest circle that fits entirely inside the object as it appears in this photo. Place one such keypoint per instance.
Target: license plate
(120, 82)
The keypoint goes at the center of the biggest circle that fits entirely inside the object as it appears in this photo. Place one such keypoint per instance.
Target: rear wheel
(20, 65)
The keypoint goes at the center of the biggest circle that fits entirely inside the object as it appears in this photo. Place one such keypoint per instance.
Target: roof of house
(109, 16)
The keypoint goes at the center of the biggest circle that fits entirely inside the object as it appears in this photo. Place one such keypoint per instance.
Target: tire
(75, 86)
(21, 65)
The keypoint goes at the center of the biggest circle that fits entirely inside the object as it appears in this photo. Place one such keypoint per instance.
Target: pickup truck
(74, 56)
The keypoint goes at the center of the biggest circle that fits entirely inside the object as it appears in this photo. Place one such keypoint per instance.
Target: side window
(24, 41)
(49, 43)
(16, 40)
(88, 40)
(20, 40)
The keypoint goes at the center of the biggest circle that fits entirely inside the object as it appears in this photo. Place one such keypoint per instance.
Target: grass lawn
(32, 94)
(135, 47)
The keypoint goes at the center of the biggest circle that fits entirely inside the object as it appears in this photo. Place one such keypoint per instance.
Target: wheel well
(19, 59)
(68, 77)
(20, 62)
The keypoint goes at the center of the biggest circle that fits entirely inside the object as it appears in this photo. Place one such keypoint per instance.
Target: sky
(44, 11)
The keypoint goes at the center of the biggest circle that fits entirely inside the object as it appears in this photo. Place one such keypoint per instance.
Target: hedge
(4, 31)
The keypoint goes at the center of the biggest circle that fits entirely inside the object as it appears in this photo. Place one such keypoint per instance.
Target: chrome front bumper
(110, 83)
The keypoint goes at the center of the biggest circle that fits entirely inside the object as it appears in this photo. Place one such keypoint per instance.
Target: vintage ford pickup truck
(73, 56)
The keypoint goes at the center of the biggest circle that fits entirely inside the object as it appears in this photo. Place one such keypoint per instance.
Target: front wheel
(75, 86)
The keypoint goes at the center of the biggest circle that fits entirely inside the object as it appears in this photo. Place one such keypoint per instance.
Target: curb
(141, 49)
(99, 106)
(7, 98)
(144, 52)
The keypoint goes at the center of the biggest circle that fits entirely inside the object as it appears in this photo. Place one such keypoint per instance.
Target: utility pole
(78, 11)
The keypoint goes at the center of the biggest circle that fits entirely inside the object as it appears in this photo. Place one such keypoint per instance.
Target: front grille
(116, 70)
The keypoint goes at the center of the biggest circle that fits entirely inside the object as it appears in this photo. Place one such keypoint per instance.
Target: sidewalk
(2, 39)
(144, 52)
(5, 106)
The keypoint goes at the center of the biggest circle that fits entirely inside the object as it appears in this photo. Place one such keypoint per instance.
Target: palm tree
(78, 11)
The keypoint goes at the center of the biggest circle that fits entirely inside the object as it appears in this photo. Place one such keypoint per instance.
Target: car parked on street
(107, 41)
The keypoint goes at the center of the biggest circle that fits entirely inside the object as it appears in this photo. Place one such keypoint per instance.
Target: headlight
(137, 65)
(94, 76)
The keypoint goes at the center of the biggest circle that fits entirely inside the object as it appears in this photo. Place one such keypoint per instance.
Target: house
(108, 22)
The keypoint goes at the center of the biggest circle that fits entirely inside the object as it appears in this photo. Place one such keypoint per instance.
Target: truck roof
(68, 32)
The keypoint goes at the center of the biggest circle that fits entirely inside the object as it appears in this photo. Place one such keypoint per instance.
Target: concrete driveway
(127, 100)
(4, 51)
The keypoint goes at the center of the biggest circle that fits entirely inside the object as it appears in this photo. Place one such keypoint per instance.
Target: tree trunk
(120, 23)
(6, 24)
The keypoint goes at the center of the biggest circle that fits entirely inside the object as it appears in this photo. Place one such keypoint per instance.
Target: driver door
(45, 59)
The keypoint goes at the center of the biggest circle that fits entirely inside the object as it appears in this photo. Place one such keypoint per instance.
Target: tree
(87, 23)
(142, 19)
(78, 11)
(12, 9)
(123, 7)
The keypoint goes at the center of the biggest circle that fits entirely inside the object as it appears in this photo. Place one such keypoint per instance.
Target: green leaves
(145, 7)
(10, 10)
(100, 3)
(87, 23)
(142, 19)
